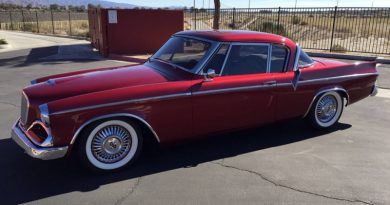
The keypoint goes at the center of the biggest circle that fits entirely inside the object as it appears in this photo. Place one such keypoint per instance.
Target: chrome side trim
(225, 90)
(141, 100)
(338, 77)
(322, 92)
(110, 116)
(34, 151)
(303, 82)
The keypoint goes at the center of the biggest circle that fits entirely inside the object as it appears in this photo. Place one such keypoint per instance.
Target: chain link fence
(46, 22)
(339, 29)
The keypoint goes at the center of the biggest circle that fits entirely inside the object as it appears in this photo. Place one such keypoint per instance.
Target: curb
(52, 35)
(349, 57)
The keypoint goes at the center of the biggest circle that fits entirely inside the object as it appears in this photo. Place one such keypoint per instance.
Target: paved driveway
(285, 163)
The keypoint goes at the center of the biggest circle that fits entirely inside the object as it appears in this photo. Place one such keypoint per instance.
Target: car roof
(238, 36)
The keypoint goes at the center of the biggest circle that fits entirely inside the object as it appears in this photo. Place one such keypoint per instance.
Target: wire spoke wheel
(111, 144)
(326, 111)
(326, 108)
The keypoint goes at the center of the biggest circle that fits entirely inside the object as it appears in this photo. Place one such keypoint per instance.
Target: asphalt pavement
(284, 163)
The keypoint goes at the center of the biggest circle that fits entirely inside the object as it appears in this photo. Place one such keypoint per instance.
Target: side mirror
(209, 75)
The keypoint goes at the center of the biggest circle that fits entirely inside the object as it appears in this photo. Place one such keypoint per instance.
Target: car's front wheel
(110, 145)
(326, 110)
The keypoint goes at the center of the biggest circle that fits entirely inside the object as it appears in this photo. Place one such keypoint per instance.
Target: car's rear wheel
(326, 110)
(110, 145)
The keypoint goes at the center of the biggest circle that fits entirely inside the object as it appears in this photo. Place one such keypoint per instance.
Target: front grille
(24, 109)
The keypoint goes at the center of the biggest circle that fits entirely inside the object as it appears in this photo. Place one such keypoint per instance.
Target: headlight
(44, 109)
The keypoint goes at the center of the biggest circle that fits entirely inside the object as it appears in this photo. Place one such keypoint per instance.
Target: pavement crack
(291, 188)
(128, 194)
(7, 103)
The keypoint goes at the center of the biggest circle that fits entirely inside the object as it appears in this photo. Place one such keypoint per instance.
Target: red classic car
(199, 83)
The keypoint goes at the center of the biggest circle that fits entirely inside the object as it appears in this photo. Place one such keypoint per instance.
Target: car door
(240, 96)
(292, 101)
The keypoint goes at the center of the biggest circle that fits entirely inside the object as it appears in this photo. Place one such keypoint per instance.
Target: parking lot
(285, 163)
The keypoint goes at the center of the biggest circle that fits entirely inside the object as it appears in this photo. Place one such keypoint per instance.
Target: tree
(217, 6)
(54, 7)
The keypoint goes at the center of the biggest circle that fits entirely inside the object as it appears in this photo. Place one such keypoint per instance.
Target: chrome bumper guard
(45, 153)
(374, 90)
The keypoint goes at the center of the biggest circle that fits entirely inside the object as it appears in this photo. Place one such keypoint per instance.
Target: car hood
(88, 82)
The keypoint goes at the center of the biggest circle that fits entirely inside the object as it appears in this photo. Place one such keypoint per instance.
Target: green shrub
(270, 27)
(295, 20)
(338, 48)
(304, 23)
(28, 27)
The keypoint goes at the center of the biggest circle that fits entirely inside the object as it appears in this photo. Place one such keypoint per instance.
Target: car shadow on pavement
(24, 179)
(47, 55)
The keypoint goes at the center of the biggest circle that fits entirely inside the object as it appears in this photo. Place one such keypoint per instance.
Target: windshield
(183, 52)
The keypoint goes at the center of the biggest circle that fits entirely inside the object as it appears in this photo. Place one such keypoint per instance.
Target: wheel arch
(343, 93)
(142, 122)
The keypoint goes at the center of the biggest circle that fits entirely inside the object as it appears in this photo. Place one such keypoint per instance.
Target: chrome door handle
(273, 82)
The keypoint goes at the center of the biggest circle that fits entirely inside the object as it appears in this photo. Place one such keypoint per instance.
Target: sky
(259, 3)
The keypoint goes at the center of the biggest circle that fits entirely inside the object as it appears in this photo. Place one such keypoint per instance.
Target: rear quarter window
(279, 58)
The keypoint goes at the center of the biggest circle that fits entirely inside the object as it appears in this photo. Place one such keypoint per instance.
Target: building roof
(238, 36)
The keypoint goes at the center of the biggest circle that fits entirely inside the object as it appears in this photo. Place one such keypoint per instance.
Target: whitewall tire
(326, 110)
(110, 145)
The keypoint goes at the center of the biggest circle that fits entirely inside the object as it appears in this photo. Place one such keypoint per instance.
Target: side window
(278, 58)
(217, 60)
(304, 60)
(246, 59)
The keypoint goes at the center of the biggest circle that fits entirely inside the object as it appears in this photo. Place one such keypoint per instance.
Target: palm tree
(217, 6)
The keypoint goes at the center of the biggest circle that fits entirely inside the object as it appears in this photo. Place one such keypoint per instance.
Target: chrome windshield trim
(226, 57)
(213, 46)
(141, 100)
(208, 58)
(110, 116)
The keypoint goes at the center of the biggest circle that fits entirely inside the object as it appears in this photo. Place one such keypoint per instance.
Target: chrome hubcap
(326, 108)
(111, 144)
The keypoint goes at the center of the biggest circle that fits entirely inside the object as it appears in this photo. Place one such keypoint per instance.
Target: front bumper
(45, 153)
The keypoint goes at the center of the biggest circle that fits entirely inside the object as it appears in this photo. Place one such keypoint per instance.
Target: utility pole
(372, 4)
(194, 4)
(296, 2)
(337, 3)
(249, 3)
(203, 4)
